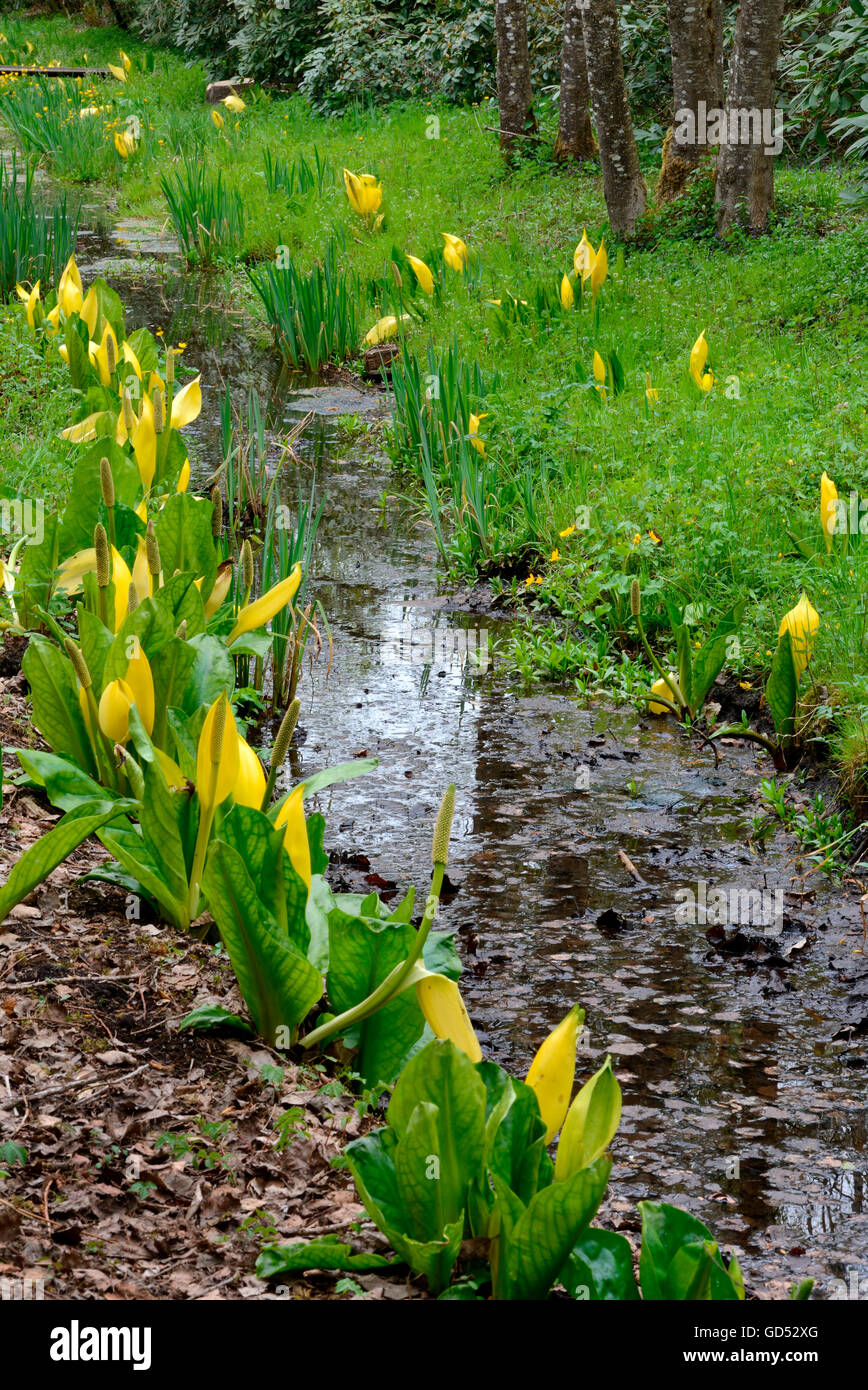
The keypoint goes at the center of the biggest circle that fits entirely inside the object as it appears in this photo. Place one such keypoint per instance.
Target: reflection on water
(736, 1105)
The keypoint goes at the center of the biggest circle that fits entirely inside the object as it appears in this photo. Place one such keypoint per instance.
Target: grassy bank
(706, 497)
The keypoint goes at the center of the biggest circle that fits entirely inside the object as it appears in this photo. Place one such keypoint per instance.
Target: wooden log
(53, 72)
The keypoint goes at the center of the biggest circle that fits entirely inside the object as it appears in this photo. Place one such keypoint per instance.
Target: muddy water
(739, 1101)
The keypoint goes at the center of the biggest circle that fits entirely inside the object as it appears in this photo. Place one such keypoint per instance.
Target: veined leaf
(42, 858)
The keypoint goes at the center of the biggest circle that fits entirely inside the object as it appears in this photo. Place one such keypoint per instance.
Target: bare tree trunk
(575, 136)
(623, 185)
(745, 166)
(514, 98)
(696, 40)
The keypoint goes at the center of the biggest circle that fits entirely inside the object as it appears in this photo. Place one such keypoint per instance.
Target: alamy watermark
(441, 646)
(740, 125)
(23, 516)
(760, 909)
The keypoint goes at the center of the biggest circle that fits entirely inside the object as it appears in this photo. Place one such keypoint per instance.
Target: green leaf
(601, 1262)
(125, 842)
(54, 692)
(591, 1124)
(541, 1240)
(679, 1259)
(782, 688)
(362, 952)
(85, 505)
(184, 534)
(35, 578)
(445, 1077)
(212, 674)
(65, 784)
(209, 1018)
(42, 858)
(325, 1253)
(278, 983)
(161, 832)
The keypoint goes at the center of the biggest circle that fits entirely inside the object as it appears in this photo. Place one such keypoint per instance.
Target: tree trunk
(745, 166)
(575, 136)
(623, 185)
(514, 98)
(696, 40)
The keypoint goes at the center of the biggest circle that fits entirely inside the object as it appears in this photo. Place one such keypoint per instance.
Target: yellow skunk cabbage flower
(473, 431)
(801, 622)
(143, 437)
(651, 392)
(85, 430)
(553, 1070)
(217, 118)
(184, 477)
(141, 683)
(115, 704)
(661, 688)
(187, 405)
(364, 192)
(170, 769)
(217, 756)
(568, 297)
(89, 311)
(698, 358)
(295, 841)
(600, 374)
(30, 299)
(69, 294)
(142, 577)
(423, 274)
(105, 356)
(118, 72)
(828, 508)
(445, 1013)
(71, 572)
(263, 609)
(125, 143)
(599, 270)
(234, 104)
(221, 589)
(454, 252)
(130, 357)
(384, 329)
(583, 258)
(125, 60)
(591, 1124)
(250, 786)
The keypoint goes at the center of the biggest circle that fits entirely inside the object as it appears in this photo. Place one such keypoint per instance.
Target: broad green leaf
(543, 1237)
(161, 833)
(591, 1124)
(782, 687)
(278, 983)
(184, 534)
(84, 507)
(35, 578)
(170, 669)
(54, 692)
(362, 952)
(208, 1018)
(42, 858)
(600, 1268)
(675, 1260)
(181, 596)
(445, 1077)
(66, 786)
(125, 842)
(212, 674)
(325, 1253)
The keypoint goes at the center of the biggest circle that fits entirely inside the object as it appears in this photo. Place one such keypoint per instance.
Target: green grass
(36, 402)
(719, 478)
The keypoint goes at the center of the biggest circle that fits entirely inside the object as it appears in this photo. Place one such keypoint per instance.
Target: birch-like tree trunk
(623, 185)
(745, 167)
(514, 98)
(696, 41)
(575, 136)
